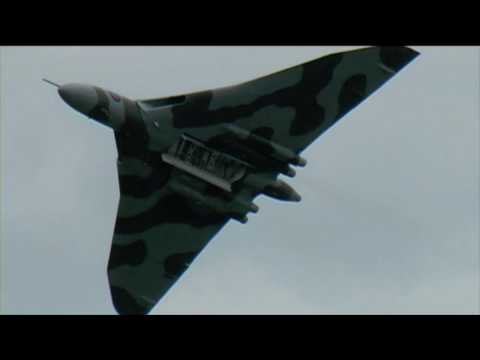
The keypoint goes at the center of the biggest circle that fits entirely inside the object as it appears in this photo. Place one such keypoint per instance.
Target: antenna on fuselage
(51, 82)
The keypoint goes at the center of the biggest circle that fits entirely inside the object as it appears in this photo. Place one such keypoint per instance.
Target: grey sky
(389, 217)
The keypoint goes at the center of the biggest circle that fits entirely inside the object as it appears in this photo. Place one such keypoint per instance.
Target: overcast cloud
(389, 217)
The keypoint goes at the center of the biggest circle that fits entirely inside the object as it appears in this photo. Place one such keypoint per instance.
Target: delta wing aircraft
(188, 164)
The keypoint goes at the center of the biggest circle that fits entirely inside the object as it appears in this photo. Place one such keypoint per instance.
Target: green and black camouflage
(188, 164)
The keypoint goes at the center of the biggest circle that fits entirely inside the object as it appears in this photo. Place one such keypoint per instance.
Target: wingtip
(125, 304)
(414, 53)
(396, 57)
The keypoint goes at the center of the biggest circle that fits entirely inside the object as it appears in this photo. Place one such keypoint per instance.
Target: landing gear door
(212, 166)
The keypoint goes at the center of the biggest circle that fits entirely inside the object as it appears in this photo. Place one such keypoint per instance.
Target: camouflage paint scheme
(167, 215)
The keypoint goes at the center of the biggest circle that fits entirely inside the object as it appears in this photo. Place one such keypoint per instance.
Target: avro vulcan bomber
(188, 164)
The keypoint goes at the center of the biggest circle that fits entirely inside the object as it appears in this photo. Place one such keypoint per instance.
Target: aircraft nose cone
(82, 98)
